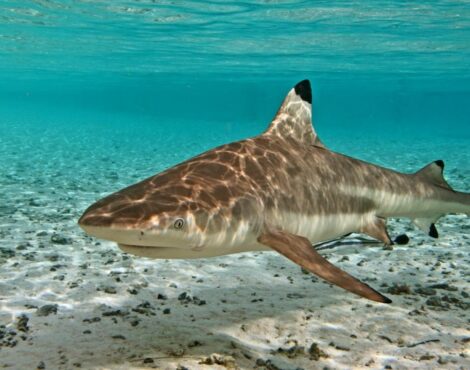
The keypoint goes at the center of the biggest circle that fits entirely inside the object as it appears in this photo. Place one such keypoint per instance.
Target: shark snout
(131, 225)
(115, 219)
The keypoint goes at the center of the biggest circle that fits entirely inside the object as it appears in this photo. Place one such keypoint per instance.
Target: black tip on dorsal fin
(433, 231)
(440, 163)
(304, 90)
(293, 119)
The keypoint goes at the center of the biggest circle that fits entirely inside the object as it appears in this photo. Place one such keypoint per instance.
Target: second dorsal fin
(294, 117)
(433, 173)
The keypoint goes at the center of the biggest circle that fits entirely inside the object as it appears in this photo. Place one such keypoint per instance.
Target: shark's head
(183, 212)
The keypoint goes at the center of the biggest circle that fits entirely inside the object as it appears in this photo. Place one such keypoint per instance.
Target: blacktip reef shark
(282, 190)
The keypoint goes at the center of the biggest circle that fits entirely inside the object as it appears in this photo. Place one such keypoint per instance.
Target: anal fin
(299, 250)
(427, 225)
(377, 229)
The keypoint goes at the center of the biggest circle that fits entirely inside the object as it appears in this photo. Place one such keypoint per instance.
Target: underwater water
(96, 95)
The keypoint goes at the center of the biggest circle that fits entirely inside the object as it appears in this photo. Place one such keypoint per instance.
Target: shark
(282, 191)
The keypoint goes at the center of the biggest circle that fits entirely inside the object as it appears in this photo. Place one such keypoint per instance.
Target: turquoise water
(149, 83)
(96, 95)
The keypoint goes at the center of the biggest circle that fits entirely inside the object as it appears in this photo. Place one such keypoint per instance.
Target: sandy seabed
(69, 301)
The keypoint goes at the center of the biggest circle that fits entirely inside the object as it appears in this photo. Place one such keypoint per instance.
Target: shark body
(282, 190)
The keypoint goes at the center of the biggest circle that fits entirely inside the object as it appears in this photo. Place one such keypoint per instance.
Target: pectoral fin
(300, 250)
(377, 229)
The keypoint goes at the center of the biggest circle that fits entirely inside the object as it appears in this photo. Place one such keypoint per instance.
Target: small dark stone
(184, 298)
(166, 311)
(135, 322)
(145, 308)
(41, 365)
(7, 253)
(342, 348)
(148, 360)
(426, 357)
(442, 361)
(162, 296)
(114, 313)
(199, 302)
(315, 352)
(93, 319)
(194, 343)
(295, 295)
(60, 239)
(34, 203)
(425, 291)
(119, 336)
(436, 303)
(444, 286)
(47, 309)
(399, 289)
(260, 362)
(110, 290)
(23, 246)
(53, 257)
(22, 323)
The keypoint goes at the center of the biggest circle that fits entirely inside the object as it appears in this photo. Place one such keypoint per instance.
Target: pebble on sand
(47, 309)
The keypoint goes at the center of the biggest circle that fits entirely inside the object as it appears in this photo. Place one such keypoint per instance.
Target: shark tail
(433, 173)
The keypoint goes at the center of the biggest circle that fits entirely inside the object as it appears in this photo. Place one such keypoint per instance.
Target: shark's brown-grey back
(220, 184)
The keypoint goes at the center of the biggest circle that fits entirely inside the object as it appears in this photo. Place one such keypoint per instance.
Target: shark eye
(179, 223)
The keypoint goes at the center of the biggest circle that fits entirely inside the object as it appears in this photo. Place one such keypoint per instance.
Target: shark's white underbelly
(318, 228)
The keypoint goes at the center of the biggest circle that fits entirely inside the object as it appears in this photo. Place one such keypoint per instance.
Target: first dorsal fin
(434, 174)
(294, 117)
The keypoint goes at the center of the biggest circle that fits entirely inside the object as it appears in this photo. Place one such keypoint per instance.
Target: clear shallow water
(253, 36)
(96, 95)
(378, 64)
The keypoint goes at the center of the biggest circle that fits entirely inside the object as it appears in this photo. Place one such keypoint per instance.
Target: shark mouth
(160, 252)
(148, 251)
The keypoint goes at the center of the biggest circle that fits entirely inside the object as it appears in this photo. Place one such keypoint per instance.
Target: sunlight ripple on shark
(282, 190)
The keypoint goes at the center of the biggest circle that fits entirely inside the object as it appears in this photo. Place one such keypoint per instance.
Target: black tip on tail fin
(304, 90)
